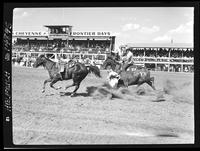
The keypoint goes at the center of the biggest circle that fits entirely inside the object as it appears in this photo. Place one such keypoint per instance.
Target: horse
(139, 76)
(77, 72)
(116, 65)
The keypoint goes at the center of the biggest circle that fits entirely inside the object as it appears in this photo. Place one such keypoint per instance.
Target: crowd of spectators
(165, 56)
(53, 46)
(162, 52)
(95, 47)
(23, 61)
(175, 68)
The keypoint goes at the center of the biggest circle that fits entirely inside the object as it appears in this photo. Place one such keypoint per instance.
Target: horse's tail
(94, 69)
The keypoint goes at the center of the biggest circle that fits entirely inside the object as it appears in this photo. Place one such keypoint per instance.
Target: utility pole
(172, 41)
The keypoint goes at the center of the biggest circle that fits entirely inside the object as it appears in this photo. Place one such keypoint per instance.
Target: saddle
(61, 68)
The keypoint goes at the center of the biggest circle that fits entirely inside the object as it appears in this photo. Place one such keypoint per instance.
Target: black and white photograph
(102, 75)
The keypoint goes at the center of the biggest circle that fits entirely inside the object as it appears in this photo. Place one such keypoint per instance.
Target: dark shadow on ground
(167, 135)
(77, 94)
(49, 94)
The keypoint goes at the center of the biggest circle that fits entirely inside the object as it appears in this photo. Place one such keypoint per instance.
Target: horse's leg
(76, 88)
(73, 84)
(53, 82)
(43, 89)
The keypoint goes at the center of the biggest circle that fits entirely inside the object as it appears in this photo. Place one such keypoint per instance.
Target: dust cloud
(170, 92)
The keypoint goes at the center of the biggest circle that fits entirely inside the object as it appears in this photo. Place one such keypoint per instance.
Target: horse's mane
(113, 60)
(48, 59)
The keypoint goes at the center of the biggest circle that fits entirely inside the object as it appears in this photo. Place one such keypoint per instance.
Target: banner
(29, 33)
(74, 33)
(91, 33)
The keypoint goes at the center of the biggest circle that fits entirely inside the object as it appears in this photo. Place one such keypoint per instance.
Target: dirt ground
(98, 115)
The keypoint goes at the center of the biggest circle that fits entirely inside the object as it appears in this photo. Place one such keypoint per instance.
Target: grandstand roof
(161, 45)
(90, 37)
(57, 26)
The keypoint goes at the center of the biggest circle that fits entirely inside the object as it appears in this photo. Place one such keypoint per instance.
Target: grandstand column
(156, 66)
(88, 42)
(169, 59)
(182, 60)
(67, 42)
(47, 43)
(113, 43)
(181, 67)
(156, 59)
(156, 52)
(28, 42)
(110, 43)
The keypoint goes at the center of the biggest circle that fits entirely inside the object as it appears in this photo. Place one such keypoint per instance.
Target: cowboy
(127, 59)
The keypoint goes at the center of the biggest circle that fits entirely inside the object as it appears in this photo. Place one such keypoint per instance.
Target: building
(171, 57)
(94, 46)
(62, 40)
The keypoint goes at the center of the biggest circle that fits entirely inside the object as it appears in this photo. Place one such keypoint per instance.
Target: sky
(128, 24)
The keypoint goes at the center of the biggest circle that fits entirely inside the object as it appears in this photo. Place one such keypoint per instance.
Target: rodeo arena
(77, 87)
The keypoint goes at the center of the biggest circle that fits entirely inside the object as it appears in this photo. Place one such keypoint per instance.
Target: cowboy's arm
(129, 57)
(108, 77)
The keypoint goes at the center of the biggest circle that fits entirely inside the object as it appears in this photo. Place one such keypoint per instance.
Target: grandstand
(60, 40)
(173, 57)
(94, 46)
